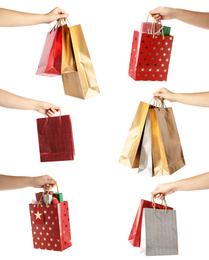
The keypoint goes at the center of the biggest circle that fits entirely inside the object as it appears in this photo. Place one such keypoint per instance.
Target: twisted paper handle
(163, 203)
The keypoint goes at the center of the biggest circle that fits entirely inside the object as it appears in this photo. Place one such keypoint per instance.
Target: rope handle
(153, 35)
(164, 203)
(47, 201)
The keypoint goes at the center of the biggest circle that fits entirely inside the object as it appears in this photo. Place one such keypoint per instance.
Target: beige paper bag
(83, 83)
(68, 59)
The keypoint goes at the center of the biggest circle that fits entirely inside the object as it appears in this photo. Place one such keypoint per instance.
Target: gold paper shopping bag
(131, 152)
(83, 83)
(170, 138)
(158, 153)
(68, 59)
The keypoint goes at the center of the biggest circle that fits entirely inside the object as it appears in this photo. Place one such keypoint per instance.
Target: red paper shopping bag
(135, 235)
(51, 58)
(50, 226)
(55, 138)
(150, 56)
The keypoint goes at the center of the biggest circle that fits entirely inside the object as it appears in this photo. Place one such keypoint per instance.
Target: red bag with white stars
(50, 225)
(150, 56)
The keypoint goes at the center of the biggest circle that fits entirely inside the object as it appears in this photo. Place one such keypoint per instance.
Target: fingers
(52, 111)
(48, 182)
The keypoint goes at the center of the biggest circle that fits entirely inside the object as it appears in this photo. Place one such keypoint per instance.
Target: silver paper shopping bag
(160, 232)
(145, 162)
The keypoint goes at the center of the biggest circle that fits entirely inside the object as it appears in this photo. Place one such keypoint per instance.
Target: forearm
(199, 19)
(10, 100)
(13, 182)
(199, 182)
(194, 99)
(14, 18)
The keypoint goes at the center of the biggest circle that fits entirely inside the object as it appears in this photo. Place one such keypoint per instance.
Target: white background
(103, 195)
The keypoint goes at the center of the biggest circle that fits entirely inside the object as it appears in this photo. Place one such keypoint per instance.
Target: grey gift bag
(160, 232)
(145, 163)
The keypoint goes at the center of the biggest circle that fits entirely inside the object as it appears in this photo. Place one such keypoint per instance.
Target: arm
(199, 182)
(199, 19)
(194, 99)
(14, 18)
(18, 182)
(10, 100)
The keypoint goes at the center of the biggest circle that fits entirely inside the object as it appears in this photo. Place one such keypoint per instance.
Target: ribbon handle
(153, 34)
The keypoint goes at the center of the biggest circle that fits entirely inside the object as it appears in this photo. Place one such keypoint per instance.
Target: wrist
(175, 186)
(176, 13)
(36, 105)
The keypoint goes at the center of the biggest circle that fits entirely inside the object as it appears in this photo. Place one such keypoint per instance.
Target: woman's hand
(55, 14)
(46, 108)
(44, 182)
(164, 94)
(163, 13)
(164, 189)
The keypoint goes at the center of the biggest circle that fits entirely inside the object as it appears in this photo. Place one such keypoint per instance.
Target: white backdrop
(103, 195)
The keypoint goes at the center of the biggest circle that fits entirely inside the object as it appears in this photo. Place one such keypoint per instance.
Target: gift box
(166, 30)
(148, 27)
(50, 226)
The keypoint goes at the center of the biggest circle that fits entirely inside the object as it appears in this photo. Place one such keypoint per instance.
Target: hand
(164, 94)
(47, 109)
(163, 13)
(55, 14)
(44, 182)
(163, 189)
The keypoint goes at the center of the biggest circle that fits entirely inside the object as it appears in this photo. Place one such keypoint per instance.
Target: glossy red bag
(55, 137)
(50, 226)
(51, 58)
(135, 235)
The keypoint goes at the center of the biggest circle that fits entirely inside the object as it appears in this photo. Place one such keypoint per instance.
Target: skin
(18, 182)
(199, 19)
(10, 100)
(11, 18)
(195, 99)
(199, 182)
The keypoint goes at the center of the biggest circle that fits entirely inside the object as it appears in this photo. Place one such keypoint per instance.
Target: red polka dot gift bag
(150, 54)
(50, 222)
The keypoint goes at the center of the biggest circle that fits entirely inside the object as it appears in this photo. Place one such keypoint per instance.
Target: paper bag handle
(164, 203)
(153, 34)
